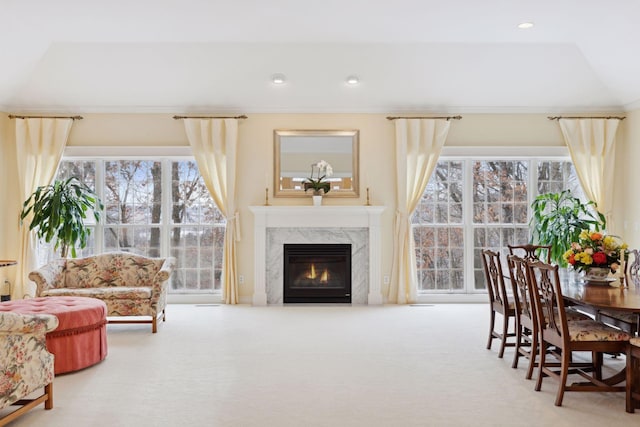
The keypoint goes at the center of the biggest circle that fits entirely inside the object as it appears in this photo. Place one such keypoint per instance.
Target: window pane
(133, 194)
(439, 243)
(556, 176)
(499, 191)
(197, 235)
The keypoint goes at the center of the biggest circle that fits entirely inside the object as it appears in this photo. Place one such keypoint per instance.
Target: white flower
(323, 165)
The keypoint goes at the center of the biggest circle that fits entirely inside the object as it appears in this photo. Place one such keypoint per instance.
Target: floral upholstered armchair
(25, 363)
(130, 284)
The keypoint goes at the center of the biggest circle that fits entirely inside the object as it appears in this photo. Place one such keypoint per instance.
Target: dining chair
(527, 339)
(569, 337)
(628, 322)
(633, 375)
(526, 323)
(499, 301)
(531, 252)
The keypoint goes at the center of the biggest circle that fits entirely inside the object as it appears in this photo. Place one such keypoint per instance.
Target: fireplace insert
(317, 273)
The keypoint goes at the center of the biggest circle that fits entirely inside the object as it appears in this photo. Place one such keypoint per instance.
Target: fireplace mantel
(335, 217)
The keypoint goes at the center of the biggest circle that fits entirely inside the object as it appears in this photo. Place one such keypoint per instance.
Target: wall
(255, 156)
(9, 205)
(627, 174)
(5, 155)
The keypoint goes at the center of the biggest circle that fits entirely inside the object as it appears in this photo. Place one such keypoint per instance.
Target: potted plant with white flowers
(318, 183)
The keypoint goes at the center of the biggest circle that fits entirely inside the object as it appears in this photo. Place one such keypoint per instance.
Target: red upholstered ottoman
(80, 340)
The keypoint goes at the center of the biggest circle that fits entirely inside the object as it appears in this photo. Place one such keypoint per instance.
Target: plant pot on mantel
(317, 199)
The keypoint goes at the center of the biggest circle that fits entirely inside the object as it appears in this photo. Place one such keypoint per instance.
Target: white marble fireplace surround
(358, 225)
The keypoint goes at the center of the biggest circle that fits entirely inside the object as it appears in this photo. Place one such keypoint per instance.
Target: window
(469, 205)
(158, 207)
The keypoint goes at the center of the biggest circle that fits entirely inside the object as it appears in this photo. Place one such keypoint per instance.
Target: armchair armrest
(49, 276)
(160, 279)
(166, 270)
(17, 323)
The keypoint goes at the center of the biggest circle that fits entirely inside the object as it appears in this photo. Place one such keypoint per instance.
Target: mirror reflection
(297, 150)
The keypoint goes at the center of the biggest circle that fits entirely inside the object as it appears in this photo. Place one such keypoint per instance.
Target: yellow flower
(584, 235)
(567, 254)
(584, 258)
(610, 243)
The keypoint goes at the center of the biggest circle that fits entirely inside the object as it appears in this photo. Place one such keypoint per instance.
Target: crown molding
(148, 109)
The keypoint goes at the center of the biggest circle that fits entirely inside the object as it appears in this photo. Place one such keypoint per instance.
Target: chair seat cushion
(590, 330)
(116, 292)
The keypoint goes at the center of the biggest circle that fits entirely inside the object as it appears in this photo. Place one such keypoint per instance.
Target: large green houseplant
(558, 219)
(58, 212)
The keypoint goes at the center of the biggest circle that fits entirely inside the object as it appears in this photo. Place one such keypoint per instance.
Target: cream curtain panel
(214, 143)
(418, 146)
(591, 144)
(39, 146)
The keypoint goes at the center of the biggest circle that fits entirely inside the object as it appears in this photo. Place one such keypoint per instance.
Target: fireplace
(275, 226)
(317, 273)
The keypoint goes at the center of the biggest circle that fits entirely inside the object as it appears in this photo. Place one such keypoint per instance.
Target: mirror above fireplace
(296, 150)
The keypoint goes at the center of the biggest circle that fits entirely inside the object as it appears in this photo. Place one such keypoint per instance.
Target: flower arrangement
(318, 184)
(595, 249)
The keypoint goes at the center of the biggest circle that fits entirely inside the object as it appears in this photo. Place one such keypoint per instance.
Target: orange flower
(596, 236)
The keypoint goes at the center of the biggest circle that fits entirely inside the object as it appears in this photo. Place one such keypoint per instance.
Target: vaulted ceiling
(409, 55)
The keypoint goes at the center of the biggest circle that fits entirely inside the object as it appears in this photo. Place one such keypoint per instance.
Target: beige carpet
(315, 366)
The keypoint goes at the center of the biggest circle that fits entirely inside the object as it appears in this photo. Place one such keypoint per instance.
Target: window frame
(468, 155)
(164, 154)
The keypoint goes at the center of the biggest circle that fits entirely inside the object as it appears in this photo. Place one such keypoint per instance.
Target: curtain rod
(11, 116)
(586, 117)
(445, 117)
(209, 117)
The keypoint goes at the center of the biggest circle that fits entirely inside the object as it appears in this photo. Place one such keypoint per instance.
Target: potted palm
(558, 219)
(58, 212)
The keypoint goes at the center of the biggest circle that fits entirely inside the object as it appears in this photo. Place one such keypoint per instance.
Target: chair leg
(543, 357)
(564, 373)
(492, 324)
(517, 354)
(630, 407)
(532, 355)
(505, 332)
(596, 358)
(154, 325)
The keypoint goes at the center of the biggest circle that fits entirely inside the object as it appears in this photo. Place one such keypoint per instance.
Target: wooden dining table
(600, 296)
(604, 297)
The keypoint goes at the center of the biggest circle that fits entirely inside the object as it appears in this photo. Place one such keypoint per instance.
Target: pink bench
(80, 340)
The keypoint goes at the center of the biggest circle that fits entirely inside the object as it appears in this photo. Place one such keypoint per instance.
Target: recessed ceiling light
(525, 25)
(278, 79)
(353, 80)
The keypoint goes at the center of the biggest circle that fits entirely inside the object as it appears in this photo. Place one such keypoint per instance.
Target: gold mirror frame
(289, 183)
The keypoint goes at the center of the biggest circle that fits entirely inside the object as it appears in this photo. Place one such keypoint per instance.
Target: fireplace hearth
(317, 273)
